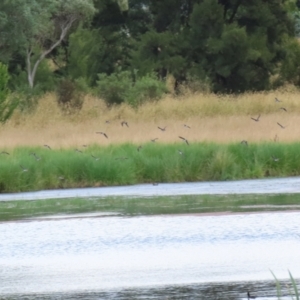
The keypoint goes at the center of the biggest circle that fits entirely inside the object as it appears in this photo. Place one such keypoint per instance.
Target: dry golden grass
(216, 118)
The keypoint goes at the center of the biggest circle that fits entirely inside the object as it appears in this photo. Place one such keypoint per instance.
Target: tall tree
(61, 16)
(238, 44)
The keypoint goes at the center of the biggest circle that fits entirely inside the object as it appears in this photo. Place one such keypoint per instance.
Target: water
(253, 186)
(148, 257)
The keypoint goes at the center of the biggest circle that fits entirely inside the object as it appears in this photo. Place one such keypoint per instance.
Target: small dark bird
(107, 122)
(37, 158)
(277, 100)
(275, 158)
(281, 125)
(187, 126)
(23, 169)
(283, 108)
(249, 296)
(124, 123)
(103, 133)
(162, 129)
(184, 140)
(154, 183)
(139, 148)
(257, 119)
(153, 141)
(47, 146)
(244, 142)
(77, 150)
(121, 158)
(4, 152)
(94, 157)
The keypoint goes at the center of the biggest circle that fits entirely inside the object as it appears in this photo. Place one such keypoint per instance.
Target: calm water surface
(148, 257)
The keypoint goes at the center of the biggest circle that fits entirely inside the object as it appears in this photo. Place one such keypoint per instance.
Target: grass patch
(28, 169)
(13, 210)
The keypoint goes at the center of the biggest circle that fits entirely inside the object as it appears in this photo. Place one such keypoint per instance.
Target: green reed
(124, 164)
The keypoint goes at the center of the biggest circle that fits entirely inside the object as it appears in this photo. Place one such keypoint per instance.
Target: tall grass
(212, 118)
(124, 164)
(292, 293)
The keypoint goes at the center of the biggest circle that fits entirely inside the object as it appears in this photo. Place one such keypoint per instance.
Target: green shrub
(114, 88)
(121, 87)
(145, 88)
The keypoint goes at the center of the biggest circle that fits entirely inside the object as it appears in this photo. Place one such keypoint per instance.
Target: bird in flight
(23, 169)
(162, 128)
(187, 126)
(153, 140)
(47, 146)
(283, 108)
(275, 158)
(94, 157)
(121, 158)
(103, 133)
(185, 140)
(124, 123)
(257, 119)
(281, 125)
(37, 158)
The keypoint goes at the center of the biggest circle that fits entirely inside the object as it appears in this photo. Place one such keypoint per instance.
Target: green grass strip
(28, 169)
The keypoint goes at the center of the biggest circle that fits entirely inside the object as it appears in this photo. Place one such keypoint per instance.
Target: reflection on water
(112, 257)
(289, 185)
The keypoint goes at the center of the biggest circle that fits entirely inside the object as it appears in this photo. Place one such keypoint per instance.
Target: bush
(121, 87)
(69, 97)
(114, 88)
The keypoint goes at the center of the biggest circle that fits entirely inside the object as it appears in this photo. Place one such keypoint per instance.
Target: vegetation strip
(28, 169)
(14, 210)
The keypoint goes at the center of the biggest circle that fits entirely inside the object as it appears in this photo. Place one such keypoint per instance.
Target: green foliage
(290, 67)
(69, 98)
(235, 46)
(7, 102)
(121, 87)
(239, 47)
(144, 89)
(114, 88)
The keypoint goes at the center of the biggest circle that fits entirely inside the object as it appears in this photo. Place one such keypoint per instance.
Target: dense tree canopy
(234, 45)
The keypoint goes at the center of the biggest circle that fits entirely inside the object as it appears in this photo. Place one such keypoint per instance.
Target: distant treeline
(125, 50)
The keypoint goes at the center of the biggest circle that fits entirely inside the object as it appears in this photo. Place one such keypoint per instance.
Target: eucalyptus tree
(54, 19)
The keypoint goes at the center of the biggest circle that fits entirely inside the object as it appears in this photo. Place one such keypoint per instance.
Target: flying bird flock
(162, 129)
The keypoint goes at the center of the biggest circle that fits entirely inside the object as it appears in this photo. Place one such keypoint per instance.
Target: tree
(52, 28)
(7, 105)
(238, 45)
